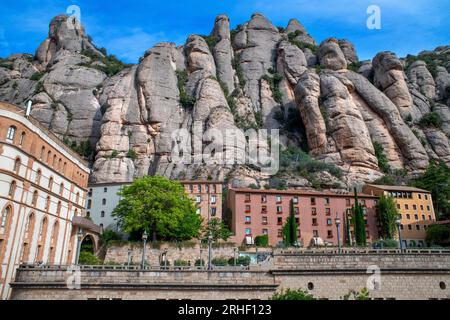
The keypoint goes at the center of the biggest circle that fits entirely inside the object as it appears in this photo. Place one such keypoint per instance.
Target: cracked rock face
(257, 76)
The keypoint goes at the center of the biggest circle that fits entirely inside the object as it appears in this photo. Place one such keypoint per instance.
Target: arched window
(59, 164)
(64, 167)
(54, 161)
(77, 199)
(38, 176)
(61, 189)
(42, 153)
(89, 204)
(5, 214)
(104, 202)
(29, 222)
(50, 183)
(17, 165)
(103, 214)
(43, 227)
(22, 138)
(58, 210)
(35, 199)
(12, 189)
(11, 133)
(49, 154)
(47, 204)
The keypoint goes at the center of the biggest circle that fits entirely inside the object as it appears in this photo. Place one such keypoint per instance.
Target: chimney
(29, 107)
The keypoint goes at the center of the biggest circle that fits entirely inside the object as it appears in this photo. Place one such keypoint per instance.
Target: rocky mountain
(361, 119)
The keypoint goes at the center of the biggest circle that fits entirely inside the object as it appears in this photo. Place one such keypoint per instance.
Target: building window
(424, 217)
(264, 199)
(17, 165)
(315, 233)
(89, 204)
(42, 153)
(247, 198)
(55, 158)
(199, 199)
(5, 215)
(102, 215)
(213, 199)
(191, 188)
(207, 188)
(313, 201)
(77, 199)
(213, 212)
(64, 168)
(314, 222)
(11, 133)
(328, 211)
(280, 233)
(415, 207)
(279, 209)
(49, 155)
(421, 208)
(428, 208)
(406, 207)
(248, 232)
(297, 211)
(248, 220)
(348, 202)
(50, 183)
(279, 199)
(297, 221)
(420, 196)
(416, 216)
(408, 217)
(264, 209)
(47, 204)
(280, 221)
(199, 188)
(327, 201)
(103, 202)
(58, 210)
(295, 200)
(199, 211)
(314, 211)
(22, 138)
(35, 199)
(59, 164)
(248, 209)
(265, 232)
(105, 190)
(12, 189)
(329, 222)
(410, 227)
(418, 227)
(330, 234)
(61, 189)
(426, 197)
(265, 221)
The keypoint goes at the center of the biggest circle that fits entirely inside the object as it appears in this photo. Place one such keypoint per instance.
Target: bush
(109, 236)
(431, 119)
(383, 161)
(290, 295)
(241, 261)
(186, 100)
(438, 235)
(300, 44)
(220, 262)
(181, 263)
(89, 259)
(262, 241)
(37, 76)
(387, 244)
(200, 263)
(274, 82)
(354, 66)
(111, 65)
(132, 154)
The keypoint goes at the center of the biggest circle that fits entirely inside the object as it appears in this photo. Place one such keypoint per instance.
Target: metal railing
(135, 268)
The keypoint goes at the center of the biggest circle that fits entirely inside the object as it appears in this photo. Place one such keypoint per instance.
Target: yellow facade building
(416, 208)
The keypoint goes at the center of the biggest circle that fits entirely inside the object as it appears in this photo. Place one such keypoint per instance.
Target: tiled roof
(398, 188)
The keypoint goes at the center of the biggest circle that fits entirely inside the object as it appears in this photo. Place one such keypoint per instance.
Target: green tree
(437, 180)
(291, 295)
(438, 235)
(388, 213)
(262, 241)
(359, 222)
(217, 229)
(160, 207)
(290, 228)
(348, 237)
(362, 295)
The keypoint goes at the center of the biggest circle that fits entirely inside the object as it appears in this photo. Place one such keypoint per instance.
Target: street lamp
(165, 258)
(338, 226)
(129, 257)
(399, 225)
(201, 260)
(144, 238)
(235, 256)
(210, 239)
(80, 236)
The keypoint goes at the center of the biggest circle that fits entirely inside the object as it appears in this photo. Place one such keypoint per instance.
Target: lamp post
(201, 260)
(235, 256)
(144, 238)
(338, 226)
(399, 225)
(210, 239)
(129, 258)
(80, 236)
(165, 258)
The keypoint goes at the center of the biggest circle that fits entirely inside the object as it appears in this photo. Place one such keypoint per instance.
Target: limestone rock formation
(257, 76)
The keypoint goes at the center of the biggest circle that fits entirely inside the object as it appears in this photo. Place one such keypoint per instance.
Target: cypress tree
(360, 224)
(290, 228)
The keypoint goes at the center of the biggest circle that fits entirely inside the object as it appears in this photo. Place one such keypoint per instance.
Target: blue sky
(128, 28)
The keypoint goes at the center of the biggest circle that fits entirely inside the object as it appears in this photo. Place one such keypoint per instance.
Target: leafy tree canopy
(291, 295)
(388, 213)
(159, 206)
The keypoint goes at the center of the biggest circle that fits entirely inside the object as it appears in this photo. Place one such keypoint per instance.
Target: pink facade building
(264, 212)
